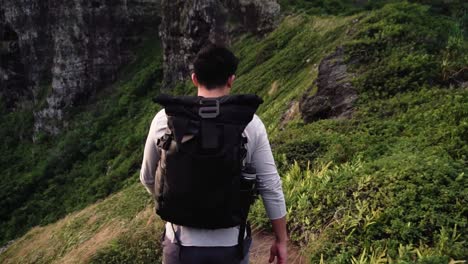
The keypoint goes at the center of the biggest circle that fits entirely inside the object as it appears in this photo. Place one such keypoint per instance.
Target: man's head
(214, 68)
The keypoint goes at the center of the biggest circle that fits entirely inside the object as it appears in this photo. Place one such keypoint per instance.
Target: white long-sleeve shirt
(268, 182)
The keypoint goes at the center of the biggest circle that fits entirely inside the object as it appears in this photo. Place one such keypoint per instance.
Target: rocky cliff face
(67, 49)
(91, 41)
(26, 49)
(189, 25)
(12, 81)
(58, 53)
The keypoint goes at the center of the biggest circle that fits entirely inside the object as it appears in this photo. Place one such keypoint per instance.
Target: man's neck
(217, 92)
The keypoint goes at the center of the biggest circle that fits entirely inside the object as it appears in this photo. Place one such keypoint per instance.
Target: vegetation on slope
(121, 229)
(388, 185)
(454, 8)
(92, 158)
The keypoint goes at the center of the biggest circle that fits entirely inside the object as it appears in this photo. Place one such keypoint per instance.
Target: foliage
(418, 59)
(138, 247)
(454, 8)
(120, 229)
(388, 185)
(91, 159)
(403, 181)
(378, 206)
(408, 193)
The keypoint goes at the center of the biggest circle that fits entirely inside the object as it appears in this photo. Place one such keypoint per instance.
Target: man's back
(258, 153)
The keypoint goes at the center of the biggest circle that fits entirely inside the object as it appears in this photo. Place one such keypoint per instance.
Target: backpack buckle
(164, 141)
(209, 108)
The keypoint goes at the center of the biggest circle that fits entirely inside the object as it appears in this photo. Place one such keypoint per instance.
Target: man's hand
(279, 248)
(279, 251)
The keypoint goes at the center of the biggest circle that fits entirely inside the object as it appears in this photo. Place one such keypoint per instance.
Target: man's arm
(151, 154)
(269, 186)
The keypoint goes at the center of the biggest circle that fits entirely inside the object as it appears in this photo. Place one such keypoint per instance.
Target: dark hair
(214, 65)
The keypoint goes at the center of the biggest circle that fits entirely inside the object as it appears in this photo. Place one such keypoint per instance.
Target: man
(214, 75)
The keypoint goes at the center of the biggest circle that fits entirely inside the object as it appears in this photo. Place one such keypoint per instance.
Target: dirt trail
(260, 250)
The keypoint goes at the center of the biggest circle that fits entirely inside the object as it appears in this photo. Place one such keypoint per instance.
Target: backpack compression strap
(233, 109)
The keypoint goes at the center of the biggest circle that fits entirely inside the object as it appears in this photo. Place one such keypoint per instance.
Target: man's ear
(231, 80)
(195, 80)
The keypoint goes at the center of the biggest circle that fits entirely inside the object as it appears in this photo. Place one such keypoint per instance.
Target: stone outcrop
(68, 49)
(189, 25)
(335, 95)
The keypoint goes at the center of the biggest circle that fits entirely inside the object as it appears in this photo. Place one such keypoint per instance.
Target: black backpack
(199, 179)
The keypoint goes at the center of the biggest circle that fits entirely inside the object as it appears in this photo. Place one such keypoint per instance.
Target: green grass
(92, 158)
(377, 183)
(120, 229)
(389, 183)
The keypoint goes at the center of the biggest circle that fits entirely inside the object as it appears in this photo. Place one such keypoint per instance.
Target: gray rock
(24, 23)
(75, 46)
(189, 25)
(335, 95)
(12, 82)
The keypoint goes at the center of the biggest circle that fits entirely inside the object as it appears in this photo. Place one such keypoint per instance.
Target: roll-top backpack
(199, 179)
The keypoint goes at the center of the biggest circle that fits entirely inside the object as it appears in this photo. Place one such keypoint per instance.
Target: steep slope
(125, 218)
(386, 185)
(390, 181)
(56, 60)
(101, 149)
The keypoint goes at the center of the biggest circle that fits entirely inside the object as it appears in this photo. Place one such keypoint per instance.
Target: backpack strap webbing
(244, 226)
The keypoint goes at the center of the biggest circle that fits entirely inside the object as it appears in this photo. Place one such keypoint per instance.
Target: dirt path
(260, 251)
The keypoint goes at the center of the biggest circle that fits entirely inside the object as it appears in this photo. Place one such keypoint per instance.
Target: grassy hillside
(95, 156)
(387, 185)
(122, 228)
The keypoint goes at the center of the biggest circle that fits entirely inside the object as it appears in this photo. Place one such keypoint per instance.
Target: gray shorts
(175, 254)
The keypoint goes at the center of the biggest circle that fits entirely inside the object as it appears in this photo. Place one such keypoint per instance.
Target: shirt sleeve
(151, 154)
(268, 180)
